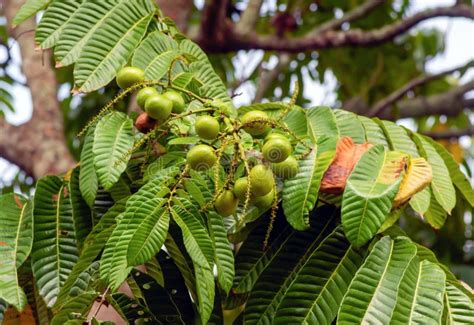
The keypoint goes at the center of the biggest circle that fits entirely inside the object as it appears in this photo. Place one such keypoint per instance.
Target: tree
(307, 238)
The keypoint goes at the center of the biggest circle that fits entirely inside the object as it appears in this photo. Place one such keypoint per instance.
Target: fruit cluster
(258, 187)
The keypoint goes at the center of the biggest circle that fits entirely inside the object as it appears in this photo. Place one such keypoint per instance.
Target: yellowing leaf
(417, 177)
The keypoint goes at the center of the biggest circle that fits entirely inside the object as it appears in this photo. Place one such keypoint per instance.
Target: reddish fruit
(145, 123)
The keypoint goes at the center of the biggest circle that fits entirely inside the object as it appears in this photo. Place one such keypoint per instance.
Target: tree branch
(178, 10)
(268, 76)
(356, 13)
(451, 134)
(39, 146)
(330, 39)
(386, 102)
(213, 23)
(249, 17)
(449, 103)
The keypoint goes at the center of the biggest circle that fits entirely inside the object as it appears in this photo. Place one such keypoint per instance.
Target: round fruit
(264, 202)
(129, 76)
(275, 135)
(261, 180)
(286, 169)
(263, 135)
(144, 94)
(207, 127)
(145, 123)
(277, 150)
(158, 107)
(179, 105)
(256, 128)
(201, 157)
(240, 188)
(226, 203)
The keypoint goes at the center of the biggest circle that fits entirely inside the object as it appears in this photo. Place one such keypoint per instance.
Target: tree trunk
(39, 146)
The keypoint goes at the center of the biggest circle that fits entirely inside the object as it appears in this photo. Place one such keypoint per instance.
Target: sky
(459, 49)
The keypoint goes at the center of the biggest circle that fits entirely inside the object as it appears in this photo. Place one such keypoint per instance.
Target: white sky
(459, 49)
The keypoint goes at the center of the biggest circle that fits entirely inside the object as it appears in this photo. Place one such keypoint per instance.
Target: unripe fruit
(159, 107)
(226, 203)
(130, 76)
(264, 202)
(207, 127)
(277, 150)
(144, 94)
(261, 180)
(240, 188)
(179, 105)
(145, 123)
(201, 157)
(275, 135)
(286, 169)
(256, 128)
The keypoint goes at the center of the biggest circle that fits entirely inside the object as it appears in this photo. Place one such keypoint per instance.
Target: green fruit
(264, 202)
(275, 135)
(201, 157)
(144, 94)
(179, 105)
(263, 135)
(158, 107)
(226, 203)
(240, 188)
(256, 128)
(261, 180)
(277, 150)
(130, 76)
(286, 169)
(207, 127)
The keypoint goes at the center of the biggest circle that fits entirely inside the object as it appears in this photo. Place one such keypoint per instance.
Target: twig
(386, 102)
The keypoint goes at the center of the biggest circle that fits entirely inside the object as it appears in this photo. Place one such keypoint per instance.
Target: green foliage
(134, 201)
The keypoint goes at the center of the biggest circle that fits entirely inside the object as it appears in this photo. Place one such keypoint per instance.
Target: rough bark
(37, 147)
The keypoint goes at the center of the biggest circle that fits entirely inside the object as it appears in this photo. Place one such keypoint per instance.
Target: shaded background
(40, 118)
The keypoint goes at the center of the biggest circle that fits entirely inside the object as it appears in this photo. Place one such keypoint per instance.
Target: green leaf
(398, 138)
(213, 87)
(112, 141)
(114, 266)
(321, 121)
(150, 233)
(82, 25)
(88, 183)
(420, 202)
(15, 244)
(53, 22)
(370, 190)
(317, 289)
(155, 55)
(300, 193)
(259, 267)
(54, 248)
(111, 46)
(196, 239)
(205, 288)
(420, 295)
(81, 213)
(78, 305)
(223, 255)
(459, 309)
(93, 245)
(457, 176)
(371, 297)
(442, 185)
(349, 125)
(373, 132)
(435, 215)
(296, 121)
(29, 9)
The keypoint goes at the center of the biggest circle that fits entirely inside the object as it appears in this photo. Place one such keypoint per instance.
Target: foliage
(134, 213)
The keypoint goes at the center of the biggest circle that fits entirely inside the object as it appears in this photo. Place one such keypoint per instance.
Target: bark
(39, 146)
(329, 38)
